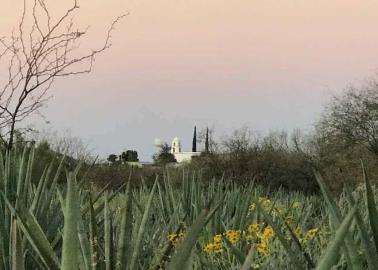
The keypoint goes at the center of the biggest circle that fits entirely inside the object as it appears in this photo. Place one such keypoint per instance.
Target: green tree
(207, 141)
(164, 156)
(112, 158)
(130, 156)
(194, 145)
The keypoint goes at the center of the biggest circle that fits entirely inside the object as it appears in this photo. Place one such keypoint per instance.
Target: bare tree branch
(36, 56)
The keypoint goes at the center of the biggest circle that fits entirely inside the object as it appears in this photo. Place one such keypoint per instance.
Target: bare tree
(41, 50)
(352, 117)
(64, 142)
(239, 142)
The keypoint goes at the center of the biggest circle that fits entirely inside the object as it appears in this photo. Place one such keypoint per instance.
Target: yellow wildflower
(209, 247)
(253, 228)
(311, 234)
(298, 232)
(218, 238)
(265, 202)
(296, 205)
(268, 232)
(249, 237)
(233, 236)
(218, 249)
(213, 247)
(172, 237)
(263, 248)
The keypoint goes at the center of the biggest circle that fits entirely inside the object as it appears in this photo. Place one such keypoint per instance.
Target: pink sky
(175, 63)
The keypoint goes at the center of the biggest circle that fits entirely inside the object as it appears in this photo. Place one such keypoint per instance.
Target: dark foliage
(164, 156)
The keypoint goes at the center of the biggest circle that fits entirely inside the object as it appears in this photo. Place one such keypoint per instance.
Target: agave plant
(45, 224)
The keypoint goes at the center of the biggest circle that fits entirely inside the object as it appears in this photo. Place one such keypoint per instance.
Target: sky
(270, 65)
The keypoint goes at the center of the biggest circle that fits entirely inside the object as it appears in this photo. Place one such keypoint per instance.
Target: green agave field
(199, 225)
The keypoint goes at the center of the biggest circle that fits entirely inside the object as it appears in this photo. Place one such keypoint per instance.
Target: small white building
(180, 156)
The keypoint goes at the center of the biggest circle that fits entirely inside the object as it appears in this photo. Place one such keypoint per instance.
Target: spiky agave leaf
(70, 260)
(180, 259)
(331, 255)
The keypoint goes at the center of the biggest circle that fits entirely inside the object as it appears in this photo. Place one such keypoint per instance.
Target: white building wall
(185, 156)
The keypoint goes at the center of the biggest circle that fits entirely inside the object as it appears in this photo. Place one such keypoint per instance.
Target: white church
(176, 148)
(181, 156)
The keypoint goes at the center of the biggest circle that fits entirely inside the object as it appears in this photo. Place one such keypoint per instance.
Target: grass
(199, 225)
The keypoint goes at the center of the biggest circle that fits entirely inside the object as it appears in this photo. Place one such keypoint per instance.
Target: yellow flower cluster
(256, 231)
(260, 234)
(263, 201)
(311, 234)
(267, 205)
(298, 232)
(174, 238)
(263, 240)
(263, 248)
(253, 231)
(215, 246)
(304, 236)
(233, 236)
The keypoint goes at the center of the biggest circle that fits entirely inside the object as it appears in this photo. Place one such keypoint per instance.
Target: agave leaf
(350, 246)
(307, 256)
(100, 207)
(126, 229)
(93, 236)
(28, 174)
(370, 250)
(180, 259)
(162, 256)
(84, 243)
(139, 238)
(41, 198)
(237, 253)
(3, 259)
(205, 262)
(331, 255)
(107, 234)
(277, 230)
(371, 207)
(86, 207)
(44, 204)
(17, 250)
(335, 213)
(100, 193)
(84, 177)
(20, 178)
(70, 260)
(38, 192)
(34, 235)
(248, 260)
